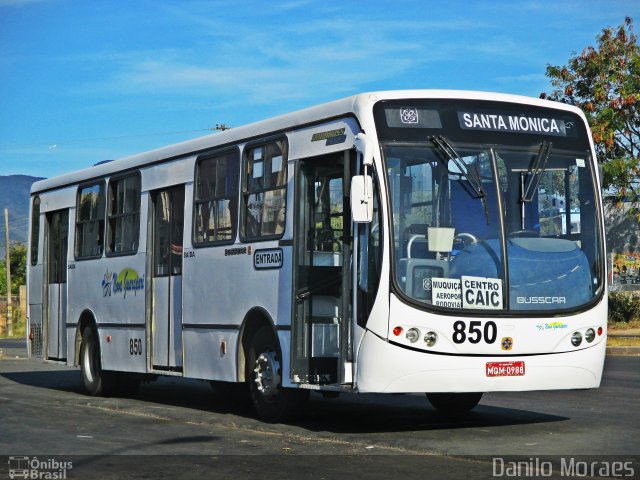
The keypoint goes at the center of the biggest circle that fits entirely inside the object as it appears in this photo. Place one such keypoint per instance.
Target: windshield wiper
(472, 178)
(535, 172)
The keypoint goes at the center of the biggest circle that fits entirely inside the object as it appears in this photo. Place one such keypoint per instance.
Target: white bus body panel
(447, 367)
(58, 200)
(311, 142)
(168, 175)
(98, 286)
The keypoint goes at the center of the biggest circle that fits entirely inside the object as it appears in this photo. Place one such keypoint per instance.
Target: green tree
(604, 81)
(18, 264)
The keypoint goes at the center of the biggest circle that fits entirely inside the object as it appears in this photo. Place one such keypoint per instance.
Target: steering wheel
(526, 233)
(465, 238)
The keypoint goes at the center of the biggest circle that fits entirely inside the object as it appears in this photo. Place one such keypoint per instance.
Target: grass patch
(615, 326)
(19, 330)
(623, 342)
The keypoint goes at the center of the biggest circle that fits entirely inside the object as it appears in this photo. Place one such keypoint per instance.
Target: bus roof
(357, 105)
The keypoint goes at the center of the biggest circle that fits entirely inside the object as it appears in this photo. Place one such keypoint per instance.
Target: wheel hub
(267, 376)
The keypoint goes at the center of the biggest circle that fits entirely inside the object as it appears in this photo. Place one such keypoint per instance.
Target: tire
(454, 403)
(272, 402)
(96, 381)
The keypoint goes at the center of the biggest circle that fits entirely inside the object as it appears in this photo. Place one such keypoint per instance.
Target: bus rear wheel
(272, 402)
(450, 403)
(96, 380)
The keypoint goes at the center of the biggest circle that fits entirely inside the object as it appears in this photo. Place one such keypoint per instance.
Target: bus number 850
(475, 335)
(135, 346)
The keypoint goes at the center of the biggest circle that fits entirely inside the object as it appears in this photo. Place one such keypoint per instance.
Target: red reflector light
(397, 331)
(108, 338)
(599, 331)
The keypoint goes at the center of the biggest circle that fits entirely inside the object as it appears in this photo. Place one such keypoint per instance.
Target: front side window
(35, 229)
(90, 221)
(123, 224)
(216, 199)
(457, 213)
(264, 191)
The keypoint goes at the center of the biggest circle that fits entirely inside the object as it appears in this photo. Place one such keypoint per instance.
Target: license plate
(505, 369)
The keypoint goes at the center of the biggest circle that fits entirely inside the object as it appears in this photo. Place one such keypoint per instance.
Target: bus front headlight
(590, 335)
(430, 338)
(413, 334)
(576, 339)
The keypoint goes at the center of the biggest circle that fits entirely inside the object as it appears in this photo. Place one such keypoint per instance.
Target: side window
(216, 199)
(35, 229)
(90, 221)
(264, 191)
(123, 216)
(370, 259)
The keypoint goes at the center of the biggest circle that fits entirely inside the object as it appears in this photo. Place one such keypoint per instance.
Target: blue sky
(84, 81)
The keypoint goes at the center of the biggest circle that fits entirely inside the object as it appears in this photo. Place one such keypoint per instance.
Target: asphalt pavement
(179, 428)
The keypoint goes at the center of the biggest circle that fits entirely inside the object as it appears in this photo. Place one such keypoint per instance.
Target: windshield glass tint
(449, 250)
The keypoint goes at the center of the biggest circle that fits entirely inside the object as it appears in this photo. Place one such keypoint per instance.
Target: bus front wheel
(450, 403)
(96, 380)
(272, 402)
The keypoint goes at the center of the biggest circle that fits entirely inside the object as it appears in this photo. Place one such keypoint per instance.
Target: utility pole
(8, 257)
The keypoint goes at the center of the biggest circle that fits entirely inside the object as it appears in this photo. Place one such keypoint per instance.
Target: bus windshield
(500, 227)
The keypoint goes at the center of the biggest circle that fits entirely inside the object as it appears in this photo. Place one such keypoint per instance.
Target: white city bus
(405, 241)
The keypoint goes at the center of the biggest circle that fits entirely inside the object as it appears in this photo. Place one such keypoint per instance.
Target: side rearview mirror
(361, 199)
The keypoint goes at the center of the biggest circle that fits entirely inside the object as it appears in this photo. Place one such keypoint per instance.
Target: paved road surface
(177, 428)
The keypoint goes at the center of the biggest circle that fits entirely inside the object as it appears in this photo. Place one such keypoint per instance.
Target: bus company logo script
(551, 326)
(409, 115)
(125, 282)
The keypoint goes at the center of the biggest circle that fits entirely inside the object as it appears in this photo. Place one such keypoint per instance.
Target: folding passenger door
(322, 323)
(167, 238)
(56, 284)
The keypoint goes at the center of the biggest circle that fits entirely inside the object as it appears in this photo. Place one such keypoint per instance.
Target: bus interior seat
(468, 215)
(415, 238)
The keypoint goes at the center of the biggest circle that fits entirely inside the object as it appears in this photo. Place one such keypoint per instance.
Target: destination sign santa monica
(497, 122)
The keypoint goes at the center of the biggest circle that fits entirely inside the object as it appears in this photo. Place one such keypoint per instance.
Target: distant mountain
(14, 195)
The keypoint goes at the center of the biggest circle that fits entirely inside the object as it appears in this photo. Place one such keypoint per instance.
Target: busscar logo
(409, 115)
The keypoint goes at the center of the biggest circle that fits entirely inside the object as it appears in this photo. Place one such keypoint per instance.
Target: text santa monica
(511, 123)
